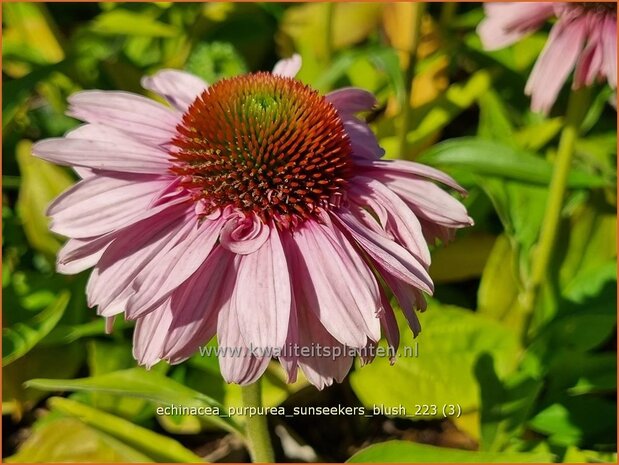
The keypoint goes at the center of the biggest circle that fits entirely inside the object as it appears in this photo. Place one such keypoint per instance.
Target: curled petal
(362, 140)
(243, 234)
(400, 221)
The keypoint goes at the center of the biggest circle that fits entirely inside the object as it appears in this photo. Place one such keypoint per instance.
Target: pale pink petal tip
(506, 23)
(288, 67)
(179, 88)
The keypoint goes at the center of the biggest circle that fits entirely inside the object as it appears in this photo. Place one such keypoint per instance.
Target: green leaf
(488, 158)
(41, 182)
(463, 259)
(214, 61)
(384, 61)
(590, 254)
(106, 357)
(160, 448)
(20, 338)
(494, 123)
(60, 362)
(499, 285)
(30, 28)
(410, 452)
(70, 440)
(66, 334)
(579, 421)
(451, 341)
(537, 134)
(520, 207)
(596, 108)
(506, 404)
(579, 373)
(137, 382)
(124, 22)
(575, 455)
(17, 92)
(581, 326)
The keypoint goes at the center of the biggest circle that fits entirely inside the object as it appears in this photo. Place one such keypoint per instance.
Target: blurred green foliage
(537, 386)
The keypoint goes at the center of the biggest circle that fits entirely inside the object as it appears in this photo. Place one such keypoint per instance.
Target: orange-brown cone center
(265, 144)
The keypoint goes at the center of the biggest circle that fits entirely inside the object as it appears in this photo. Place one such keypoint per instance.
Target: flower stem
(417, 11)
(576, 110)
(257, 430)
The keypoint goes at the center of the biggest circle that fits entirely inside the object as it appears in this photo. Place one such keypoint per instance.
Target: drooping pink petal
(101, 204)
(176, 264)
(394, 258)
(113, 151)
(332, 280)
(403, 168)
(195, 306)
(409, 298)
(362, 140)
(137, 116)
(131, 251)
(434, 232)
(288, 358)
(149, 335)
(262, 295)
(366, 354)
(288, 67)
(177, 87)
(609, 43)
(390, 326)
(237, 362)
(78, 255)
(400, 221)
(351, 100)
(555, 63)
(426, 199)
(506, 23)
(321, 370)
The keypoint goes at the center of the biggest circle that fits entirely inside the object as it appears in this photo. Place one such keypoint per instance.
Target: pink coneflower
(584, 38)
(256, 210)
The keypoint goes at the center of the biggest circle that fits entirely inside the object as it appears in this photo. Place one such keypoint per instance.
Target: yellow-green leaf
(41, 183)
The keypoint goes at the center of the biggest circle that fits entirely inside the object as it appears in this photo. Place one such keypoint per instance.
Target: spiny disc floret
(265, 144)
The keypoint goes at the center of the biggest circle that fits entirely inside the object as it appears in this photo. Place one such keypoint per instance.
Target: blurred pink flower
(584, 38)
(256, 210)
